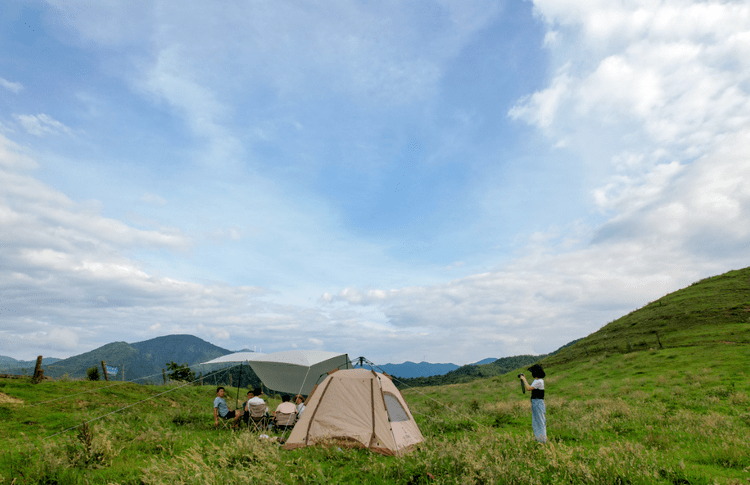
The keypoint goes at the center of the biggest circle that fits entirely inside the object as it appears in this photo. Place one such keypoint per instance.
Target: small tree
(179, 372)
(93, 373)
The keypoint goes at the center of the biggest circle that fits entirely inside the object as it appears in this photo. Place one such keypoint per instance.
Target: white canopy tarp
(292, 371)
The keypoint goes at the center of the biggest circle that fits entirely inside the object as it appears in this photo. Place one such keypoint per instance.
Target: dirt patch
(6, 399)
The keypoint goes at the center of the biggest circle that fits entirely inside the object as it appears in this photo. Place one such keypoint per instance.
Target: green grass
(678, 414)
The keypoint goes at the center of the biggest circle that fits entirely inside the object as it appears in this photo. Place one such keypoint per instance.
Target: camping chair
(223, 423)
(257, 416)
(284, 421)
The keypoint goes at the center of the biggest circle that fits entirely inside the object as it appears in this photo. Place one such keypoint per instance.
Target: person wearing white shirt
(256, 399)
(300, 405)
(538, 409)
(285, 407)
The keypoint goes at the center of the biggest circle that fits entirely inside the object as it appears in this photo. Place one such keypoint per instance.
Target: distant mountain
(483, 368)
(421, 369)
(9, 365)
(140, 359)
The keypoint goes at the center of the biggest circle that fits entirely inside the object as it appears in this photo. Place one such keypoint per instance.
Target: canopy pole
(239, 381)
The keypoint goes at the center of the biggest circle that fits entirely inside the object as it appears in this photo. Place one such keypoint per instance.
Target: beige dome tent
(358, 407)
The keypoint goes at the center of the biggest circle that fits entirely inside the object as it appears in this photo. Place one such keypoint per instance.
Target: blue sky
(439, 180)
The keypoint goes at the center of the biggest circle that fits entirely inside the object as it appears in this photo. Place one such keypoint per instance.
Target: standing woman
(538, 410)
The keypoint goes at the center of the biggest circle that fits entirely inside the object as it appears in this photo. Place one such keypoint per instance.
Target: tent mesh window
(396, 412)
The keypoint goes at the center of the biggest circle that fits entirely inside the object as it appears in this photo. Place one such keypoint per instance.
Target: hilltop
(714, 310)
(144, 359)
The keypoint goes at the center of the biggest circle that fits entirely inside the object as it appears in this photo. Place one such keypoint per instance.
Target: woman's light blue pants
(539, 420)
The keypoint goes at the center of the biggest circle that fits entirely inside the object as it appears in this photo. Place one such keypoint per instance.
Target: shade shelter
(290, 371)
(357, 407)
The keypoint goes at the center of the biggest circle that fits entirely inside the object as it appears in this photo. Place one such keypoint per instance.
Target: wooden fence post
(104, 369)
(38, 372)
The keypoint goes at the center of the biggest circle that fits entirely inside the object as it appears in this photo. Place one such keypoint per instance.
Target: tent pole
(239, 381)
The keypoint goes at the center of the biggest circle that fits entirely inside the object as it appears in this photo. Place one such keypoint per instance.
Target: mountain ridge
(141, 360)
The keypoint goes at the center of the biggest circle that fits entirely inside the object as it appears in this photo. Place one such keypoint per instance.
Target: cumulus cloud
(652, 97)
(655, 99)
(71, 283)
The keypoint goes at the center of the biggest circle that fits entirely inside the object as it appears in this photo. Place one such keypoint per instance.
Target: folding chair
(284, 421)
(223, 423)
(257, 416)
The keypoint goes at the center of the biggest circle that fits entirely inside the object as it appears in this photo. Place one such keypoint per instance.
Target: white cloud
(645, 89)
(13, 156)
(42, 124)
(655, 99)
(672, 75)
(219, 333)
(541, 107)
(153, 199)
(383, 56)
(68, 269)
(652, 96)
(11, 86)
(49, 341)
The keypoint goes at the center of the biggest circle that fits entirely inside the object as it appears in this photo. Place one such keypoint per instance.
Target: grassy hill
(675, 413)
(712, 311)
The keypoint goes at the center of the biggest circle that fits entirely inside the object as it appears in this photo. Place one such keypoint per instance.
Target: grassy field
(621, 408)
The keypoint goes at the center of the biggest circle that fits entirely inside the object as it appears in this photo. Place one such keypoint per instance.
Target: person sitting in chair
(245, 409)
(286, 413)
(257, 409)
(286, 407)
(221, 410)
(256, 399)
(300, 404)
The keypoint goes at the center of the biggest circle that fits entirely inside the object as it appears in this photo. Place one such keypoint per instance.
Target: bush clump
(92, 373)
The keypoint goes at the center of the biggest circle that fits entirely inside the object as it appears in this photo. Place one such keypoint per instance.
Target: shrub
(91, 449)
(179, 372)
(92, 373)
